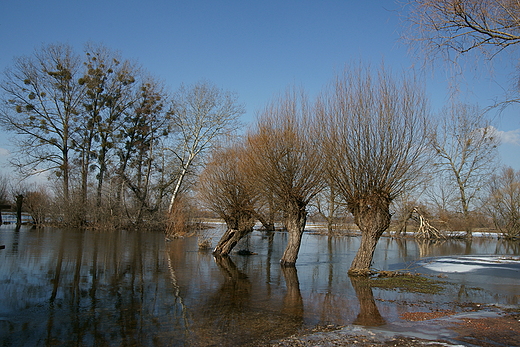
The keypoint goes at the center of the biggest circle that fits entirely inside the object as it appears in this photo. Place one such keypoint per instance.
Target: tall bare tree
(328, 204)
(200, 115)
(465, 147)
(503, 203)
(41, 104)
(455, 28)
(464, 25)
(282, 155)
(109, 83)
(374, 138)
(224, 190)
(145, 124)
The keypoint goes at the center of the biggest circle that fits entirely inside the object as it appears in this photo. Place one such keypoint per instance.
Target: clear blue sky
(254, 48)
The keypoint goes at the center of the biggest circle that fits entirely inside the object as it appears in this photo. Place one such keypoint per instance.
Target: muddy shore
(489, 326)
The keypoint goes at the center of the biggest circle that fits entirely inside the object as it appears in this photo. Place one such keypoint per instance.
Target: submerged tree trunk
(295, 224)
(372, 216)
(237, 228)
(229, 240)
(19, 203)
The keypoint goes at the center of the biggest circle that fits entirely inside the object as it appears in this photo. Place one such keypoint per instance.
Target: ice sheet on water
(461, 264)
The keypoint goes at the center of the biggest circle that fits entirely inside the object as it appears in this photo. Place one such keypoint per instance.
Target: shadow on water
(69, 287)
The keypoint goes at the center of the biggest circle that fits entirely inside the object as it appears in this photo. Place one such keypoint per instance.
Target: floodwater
(70, 287)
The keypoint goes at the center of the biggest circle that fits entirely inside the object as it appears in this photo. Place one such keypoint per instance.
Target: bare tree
(224, 190)
(36, 202)
(143, 130)
(503, 203)
(465, 25)
(4, 189)
(328, 204)
(282, 155)
(41, 103)
(465, 147)
(200, 115)
(109, 92)
(456, 28)
(374, 138)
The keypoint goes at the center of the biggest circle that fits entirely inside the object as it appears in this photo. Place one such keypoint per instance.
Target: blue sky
(254, 48)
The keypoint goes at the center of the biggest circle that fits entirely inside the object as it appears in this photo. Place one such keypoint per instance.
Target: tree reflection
(78, 292)
(236, 287)
(368, 312)
(292, 302)
(241, 311)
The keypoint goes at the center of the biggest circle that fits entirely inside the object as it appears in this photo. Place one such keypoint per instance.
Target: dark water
(67, 287)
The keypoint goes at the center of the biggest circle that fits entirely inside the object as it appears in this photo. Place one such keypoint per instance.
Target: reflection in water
(67, 287)
(368, 312)
(293, 301)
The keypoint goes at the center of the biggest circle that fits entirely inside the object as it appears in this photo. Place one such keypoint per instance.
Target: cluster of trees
(368, 139)
(120, 146)
(455, 30)
(124, 151)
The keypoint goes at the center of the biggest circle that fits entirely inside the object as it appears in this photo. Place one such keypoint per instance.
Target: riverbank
(490, 326)
(457, 323)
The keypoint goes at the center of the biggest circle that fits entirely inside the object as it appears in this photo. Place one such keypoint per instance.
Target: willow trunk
(372, 216)
(295, 224)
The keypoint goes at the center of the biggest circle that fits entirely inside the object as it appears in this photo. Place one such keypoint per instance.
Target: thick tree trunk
(238, 226)
(372, 216)
(363, 260)
(229, 240)
(295, 224)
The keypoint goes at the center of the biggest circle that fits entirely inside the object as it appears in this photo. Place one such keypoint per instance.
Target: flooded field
(68, 287)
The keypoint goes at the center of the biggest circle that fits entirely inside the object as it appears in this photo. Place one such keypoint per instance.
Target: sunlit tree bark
(200, 115)
(374, 139)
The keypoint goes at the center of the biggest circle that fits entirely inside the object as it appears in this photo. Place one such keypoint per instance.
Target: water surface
(70, 287)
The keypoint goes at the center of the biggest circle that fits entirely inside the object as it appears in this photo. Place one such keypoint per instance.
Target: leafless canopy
(200, 114)
(41, 103)
(503, 203)
(283, 158)
(464, 25)
(465, 146)
(374, 139)
(375, 133)
(283, 154)
(222, 186)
